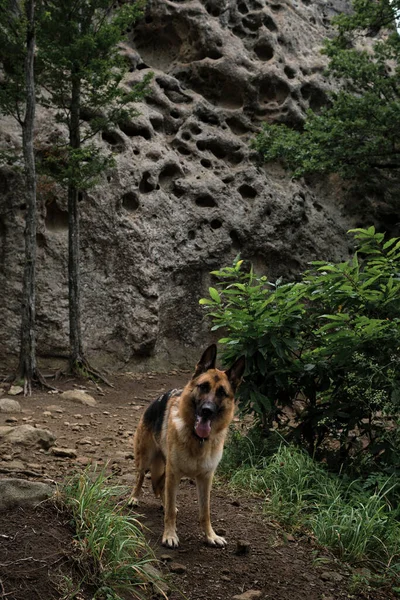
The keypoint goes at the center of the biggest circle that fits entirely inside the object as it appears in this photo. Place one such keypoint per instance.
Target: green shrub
(328, 344)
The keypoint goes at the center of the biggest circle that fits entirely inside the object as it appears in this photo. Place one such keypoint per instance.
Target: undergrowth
(357, 519)
(112, 551)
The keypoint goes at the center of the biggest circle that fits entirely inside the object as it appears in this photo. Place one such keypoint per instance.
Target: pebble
(331, 576)
(15, 390)
(243, 547)
(177, 568)
(166, 557)
(64, 452)
(249, 595)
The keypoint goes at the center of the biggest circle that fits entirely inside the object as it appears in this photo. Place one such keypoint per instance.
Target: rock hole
(130, 202)
(242, 8)
(56, 219)
(195, 129)
(315, 97)
(112, 138)
(235, 239)
(236, 126)
(273, 89)
(175, 114)
(289, 72)
(247, 192)
(186, 136)
(206, 201)
(159, 46)
(253, 21)
(157, 122)
(191, 234)
(41, 240)
(269, 23)
(145, 186)
(206, 163)
(264, 51)
(216, 224)
(184, 151)
(132, 129)
(168, 174)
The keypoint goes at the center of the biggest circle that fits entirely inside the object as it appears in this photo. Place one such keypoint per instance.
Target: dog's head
(212, 393)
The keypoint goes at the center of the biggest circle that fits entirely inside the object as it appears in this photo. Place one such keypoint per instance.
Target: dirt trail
(277, 565)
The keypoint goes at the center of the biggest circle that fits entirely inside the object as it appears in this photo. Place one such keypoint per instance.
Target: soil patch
(36, 554)
(278, 566)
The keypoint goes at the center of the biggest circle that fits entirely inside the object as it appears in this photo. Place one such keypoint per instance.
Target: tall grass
(113, 552)
(356, 523)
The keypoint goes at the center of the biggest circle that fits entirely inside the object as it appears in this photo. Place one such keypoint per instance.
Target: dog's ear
(207, 360)
(235, 373)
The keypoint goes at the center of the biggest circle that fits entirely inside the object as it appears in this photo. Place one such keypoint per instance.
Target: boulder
(20, 492)
(27, 435)
(79, 397)
(7, 405)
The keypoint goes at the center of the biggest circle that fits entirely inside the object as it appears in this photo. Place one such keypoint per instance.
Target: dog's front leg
(170, 538)
(203, 484)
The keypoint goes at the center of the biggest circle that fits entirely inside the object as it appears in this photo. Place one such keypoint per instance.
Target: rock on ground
(7, 405)
(27, 435)
(20, 492)
(79, 397)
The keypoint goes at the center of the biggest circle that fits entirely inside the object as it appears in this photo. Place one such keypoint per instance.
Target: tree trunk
(75, 333)
(27, 359)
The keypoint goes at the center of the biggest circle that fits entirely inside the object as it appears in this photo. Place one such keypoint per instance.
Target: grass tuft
(357, 523)
(113, 553)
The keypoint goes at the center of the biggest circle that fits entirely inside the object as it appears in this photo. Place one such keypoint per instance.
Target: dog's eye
(204, 387)
(221, 392)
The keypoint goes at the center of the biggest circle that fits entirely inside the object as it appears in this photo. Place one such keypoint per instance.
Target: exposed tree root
(82, 367)
(37, 379)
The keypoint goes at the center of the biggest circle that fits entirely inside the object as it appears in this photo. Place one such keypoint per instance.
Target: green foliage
(357, 133)
(357, 523)
(81, 41)
(326, 346)
(112, 549)
(13, 31)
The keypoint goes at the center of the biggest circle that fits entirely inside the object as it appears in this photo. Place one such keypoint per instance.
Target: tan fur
(177, 452)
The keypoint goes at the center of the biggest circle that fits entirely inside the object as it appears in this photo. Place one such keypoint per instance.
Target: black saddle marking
(154, 414)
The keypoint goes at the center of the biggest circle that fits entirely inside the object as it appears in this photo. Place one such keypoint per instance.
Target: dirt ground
(36, 545)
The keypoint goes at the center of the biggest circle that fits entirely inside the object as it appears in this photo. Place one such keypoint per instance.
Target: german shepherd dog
(182, 433)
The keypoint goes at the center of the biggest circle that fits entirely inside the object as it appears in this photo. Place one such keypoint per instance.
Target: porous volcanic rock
(187, 193)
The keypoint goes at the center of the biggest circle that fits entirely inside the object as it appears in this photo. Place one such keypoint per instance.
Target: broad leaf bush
(323, 353)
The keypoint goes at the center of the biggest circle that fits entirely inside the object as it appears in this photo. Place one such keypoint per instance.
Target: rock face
(187, 192)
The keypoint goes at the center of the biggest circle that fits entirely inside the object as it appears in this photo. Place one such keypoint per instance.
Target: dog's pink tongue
(203, 428)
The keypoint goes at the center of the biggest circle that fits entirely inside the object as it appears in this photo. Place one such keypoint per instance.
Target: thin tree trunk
(27, 359)
(75, 332)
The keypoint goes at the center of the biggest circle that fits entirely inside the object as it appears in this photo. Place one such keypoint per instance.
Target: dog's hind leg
(157, 470)
(203, 484)
(144, 449)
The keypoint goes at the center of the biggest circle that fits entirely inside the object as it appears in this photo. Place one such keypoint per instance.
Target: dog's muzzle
(205, 413)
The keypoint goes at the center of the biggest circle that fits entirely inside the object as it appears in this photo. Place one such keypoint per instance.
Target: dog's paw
(170, 540)
(132, 502)
(216, 540)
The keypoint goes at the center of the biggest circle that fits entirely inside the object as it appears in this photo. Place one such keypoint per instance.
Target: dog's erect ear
(235, 373)
(207, 360)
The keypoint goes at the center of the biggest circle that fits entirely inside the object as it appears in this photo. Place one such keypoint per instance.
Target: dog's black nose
(208, 410)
